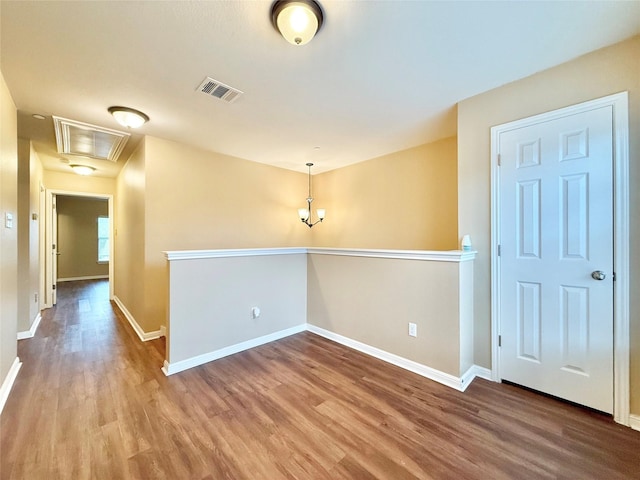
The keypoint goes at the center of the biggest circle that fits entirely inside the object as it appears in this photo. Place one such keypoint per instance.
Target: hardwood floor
(90, 402)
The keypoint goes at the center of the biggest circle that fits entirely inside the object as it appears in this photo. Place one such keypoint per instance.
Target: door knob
(598, 275)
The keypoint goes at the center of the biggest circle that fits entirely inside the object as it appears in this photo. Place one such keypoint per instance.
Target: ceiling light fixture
(305, 213)
(128, 117)
(83, 169)
(297, 20)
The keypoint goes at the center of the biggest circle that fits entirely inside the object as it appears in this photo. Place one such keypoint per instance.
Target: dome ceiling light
(83, 169)
(297, 20)
(128, 117)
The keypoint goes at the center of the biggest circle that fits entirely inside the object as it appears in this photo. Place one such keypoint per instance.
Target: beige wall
(372, 300)
(597, 74)
(72, 182)
(78, 236)
(8, 236)
(129, 229)
(195, 199)
(212, 298)
(29, 287)
(404, 200)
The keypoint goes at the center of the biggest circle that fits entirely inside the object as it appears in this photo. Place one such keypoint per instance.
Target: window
(103, 239)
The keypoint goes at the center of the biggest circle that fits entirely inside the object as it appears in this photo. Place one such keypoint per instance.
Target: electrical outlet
(35, 297)
(413, 330)
(255, 312)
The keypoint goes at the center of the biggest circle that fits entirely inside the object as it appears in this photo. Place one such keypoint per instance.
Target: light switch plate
(8, 220)
(413, 330)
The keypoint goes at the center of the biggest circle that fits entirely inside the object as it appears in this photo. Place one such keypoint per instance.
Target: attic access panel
(84, 139)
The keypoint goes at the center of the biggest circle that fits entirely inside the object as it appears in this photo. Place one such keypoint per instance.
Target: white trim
(634, 422)
(171, 368)
(446, 379)
(32, 331)
(473, 372)
(457, 383)
(434, 255)
(42, 218)
(621, 259)
(88, 277)
(163, 331)
(619, 104)
(142, 335)
(8, 382)
(245, 252)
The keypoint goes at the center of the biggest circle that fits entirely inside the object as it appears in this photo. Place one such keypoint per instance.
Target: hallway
(91, 402)
(79, 373)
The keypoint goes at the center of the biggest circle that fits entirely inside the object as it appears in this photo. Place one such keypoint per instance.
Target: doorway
(559, 325)
(53, 252)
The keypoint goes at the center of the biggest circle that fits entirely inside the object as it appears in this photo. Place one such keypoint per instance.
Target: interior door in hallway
(556, 259)
(54, 250)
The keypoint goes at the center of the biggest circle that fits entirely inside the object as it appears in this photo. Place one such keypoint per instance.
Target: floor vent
(217, 89)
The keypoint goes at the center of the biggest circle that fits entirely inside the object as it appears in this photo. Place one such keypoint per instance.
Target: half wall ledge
(435, 255)
(364, 298)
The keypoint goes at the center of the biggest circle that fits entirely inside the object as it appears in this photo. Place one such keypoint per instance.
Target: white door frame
(49, 238)
(42, 254)
(619, 104)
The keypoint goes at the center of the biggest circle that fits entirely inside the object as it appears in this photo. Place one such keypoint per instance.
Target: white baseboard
(89, 277)
(163, 331)
(7, 384)
(171, 368)
(458, 383)
(473, 372)
(32, 331)
(634, 422)
(142, 335)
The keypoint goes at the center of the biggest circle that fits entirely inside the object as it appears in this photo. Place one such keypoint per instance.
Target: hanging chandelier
(305, 213)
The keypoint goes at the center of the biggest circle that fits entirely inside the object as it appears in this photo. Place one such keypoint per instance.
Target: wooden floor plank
(90, 402)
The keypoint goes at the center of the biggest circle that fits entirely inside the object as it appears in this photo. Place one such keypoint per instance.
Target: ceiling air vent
(77, 138)
(219, 90)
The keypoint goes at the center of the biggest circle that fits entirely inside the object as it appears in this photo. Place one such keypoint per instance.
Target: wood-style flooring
(90, 402)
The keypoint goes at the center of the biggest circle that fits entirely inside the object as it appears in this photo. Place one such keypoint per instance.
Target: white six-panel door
(556, 257)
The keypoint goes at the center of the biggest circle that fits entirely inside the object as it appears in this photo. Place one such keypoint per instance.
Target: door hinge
(499, 250)
(54, 287)
(499, 160)
(499, 340)
(613, 276)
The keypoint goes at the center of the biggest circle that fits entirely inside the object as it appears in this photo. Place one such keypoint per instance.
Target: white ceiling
(379, 77)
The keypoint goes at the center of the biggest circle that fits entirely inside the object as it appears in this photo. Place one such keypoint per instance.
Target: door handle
(598, 275)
